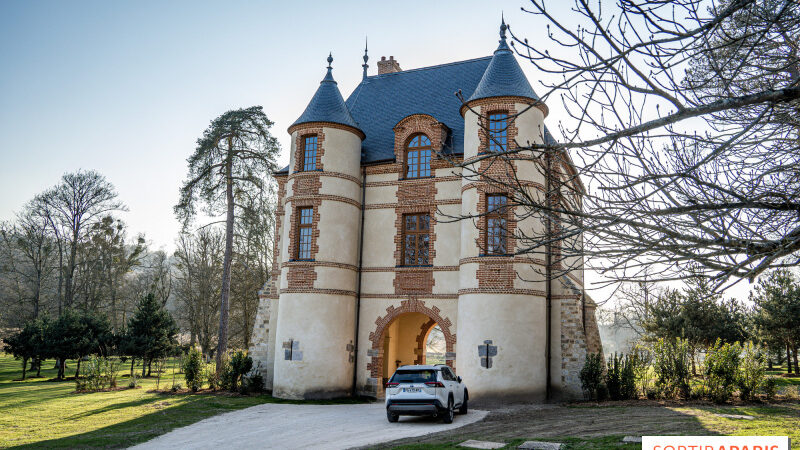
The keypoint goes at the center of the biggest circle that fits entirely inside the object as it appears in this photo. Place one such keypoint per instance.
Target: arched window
(418, 157)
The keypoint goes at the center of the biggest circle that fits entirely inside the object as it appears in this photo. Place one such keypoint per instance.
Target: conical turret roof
(504, 76)
(327, 105)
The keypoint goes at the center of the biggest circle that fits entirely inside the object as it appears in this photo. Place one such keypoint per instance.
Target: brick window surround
(498, 131)
(313, 136)
(310, 152)
(416, 239)
(305, 228)
(496, 242)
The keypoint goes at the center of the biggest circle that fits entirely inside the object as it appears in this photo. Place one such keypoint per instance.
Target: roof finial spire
(329, 75)
(503, 27)
(366, 58)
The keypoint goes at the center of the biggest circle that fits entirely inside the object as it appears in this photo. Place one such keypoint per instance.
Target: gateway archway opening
(411, 338)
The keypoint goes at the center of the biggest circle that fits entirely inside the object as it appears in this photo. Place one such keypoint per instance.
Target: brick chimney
(388, 65)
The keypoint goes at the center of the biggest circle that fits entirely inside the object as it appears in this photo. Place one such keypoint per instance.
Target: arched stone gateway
(377, 366)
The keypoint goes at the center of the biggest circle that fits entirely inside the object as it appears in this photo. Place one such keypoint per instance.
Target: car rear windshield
(414, 376)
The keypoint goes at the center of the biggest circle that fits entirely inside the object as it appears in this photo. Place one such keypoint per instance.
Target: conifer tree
(151, 332)
(232, 161)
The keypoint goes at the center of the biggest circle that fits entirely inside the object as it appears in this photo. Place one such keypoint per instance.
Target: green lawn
(42, 413)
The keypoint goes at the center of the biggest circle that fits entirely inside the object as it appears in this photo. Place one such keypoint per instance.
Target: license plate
(411, 390)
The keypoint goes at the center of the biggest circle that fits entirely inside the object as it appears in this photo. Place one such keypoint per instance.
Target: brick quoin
(422, 339)
(416, 195)
(305, 193)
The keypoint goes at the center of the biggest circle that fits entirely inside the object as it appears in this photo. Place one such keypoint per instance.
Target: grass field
(42, 413)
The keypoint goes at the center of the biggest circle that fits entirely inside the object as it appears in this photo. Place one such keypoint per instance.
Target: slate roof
(504, 76)
(380, 101)
(327, 104)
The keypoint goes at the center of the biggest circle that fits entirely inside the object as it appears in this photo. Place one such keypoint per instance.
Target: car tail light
(390, 384)
(434, 384)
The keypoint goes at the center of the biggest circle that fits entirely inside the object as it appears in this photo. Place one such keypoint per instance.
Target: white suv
(425, 391)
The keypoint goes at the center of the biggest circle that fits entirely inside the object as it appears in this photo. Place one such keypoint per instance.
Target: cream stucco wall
(323, 325)
(323, 322)
(514, 324)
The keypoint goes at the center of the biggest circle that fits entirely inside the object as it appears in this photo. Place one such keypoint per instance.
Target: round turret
(504, 350)
(319, 254)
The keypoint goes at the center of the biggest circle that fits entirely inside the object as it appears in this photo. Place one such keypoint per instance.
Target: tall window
(498, 132)
(418, 157)
(310, 153)
(304, 229)
(415, 239)
(496, 208)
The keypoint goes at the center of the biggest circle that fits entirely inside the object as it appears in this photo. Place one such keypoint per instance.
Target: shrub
(721, 370)
(133, 381)
(770, 387)
(236, 365)
(193, 369)
(255, 383)
(752, 372)
(592, 375)
(210, 375)
(790, 392)
(642, 359)
(621, 377)
(671, 367)
(98, 373)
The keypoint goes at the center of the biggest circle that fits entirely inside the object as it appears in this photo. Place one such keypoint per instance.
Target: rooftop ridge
(429, 67)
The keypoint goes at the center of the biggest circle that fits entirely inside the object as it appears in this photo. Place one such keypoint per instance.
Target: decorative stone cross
(291, 350)
(485, 352)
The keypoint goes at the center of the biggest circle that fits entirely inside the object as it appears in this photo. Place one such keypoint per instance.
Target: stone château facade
(366, 264)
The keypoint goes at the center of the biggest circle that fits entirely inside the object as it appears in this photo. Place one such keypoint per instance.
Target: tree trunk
(149, 367)
(222, 346)
(133, 362)
(78, 367)
(144, 366)
(796, 368)
(38, 367)
(69, 288)
(769, 363)
(788, 360)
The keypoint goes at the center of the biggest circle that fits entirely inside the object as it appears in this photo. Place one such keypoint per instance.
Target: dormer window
(418, 157)
(498, 132)
(310, 153)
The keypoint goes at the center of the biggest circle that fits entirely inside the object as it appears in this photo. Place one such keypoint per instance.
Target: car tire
(464, 407)
(392, 417)
(447, 417)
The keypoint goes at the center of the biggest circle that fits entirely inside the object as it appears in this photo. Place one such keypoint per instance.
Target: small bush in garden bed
(591, 375)
(193, 369)
(721, 370)
(671, 366)
(751, 373)
(769, 387)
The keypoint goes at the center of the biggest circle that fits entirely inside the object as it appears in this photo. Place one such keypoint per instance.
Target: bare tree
(71, 208)
(684, 133)
(27, 252)
(198, 271)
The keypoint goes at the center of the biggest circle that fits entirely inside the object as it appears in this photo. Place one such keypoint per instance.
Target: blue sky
(126, 88)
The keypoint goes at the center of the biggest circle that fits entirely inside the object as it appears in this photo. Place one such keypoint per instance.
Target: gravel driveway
(274, 425)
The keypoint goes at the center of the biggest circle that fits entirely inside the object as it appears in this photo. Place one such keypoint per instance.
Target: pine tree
(151, 332)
